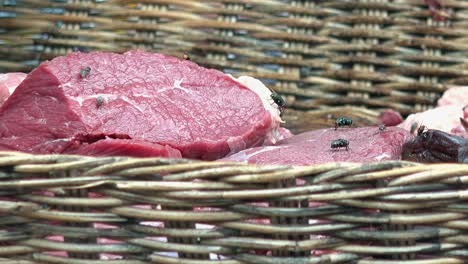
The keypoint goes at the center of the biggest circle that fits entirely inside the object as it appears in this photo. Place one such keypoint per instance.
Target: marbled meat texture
(366, 144)
(160, 105)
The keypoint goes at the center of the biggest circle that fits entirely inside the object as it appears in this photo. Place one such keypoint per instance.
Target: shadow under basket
(76, 209)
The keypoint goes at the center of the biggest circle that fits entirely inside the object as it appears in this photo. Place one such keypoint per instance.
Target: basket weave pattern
(180, 211)
(320, 54)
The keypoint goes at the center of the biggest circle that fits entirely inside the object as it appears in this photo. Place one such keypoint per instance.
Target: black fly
(340, 143)
(85, 72)
(278, 101)
(343, 121)
(382, 127)
(99, 101)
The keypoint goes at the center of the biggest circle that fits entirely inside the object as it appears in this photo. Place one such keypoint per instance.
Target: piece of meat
(437, 10)
(141, 97)
(277, 133)
(444, 118)
(284, 133)
(115, 147)
(462, 128)
(457, 95)
(366, 144)
(435, 146)
(280, 134)
(450, 116)
(390, 117)
(8, 84)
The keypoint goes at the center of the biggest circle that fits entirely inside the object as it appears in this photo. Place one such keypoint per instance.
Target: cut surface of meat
(366, 144)
(8, 84)
(140, 96)
(114, 147)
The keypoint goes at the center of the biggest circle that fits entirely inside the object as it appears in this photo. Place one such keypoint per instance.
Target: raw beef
(451, 115)
(435, 146)
(366, 144)
(437, 10)
(444, 118)
(390, 117)
(115, 147)
(284, 133)
(159, 104)
(280, 134)
(8, 83)
(457, 95)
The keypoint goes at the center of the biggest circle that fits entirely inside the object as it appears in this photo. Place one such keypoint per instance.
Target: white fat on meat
(8, 84)
(452, 107)
(457, 95)
(265, 95)
(244, 156)
(383, 156)
(236, 144)
(441, 118)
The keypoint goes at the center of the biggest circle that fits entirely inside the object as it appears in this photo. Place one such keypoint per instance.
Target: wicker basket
(179, 211)
(333, 57)
(374, 53)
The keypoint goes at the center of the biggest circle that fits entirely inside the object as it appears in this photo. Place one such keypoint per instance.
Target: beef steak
(159, 103)
(366, 144)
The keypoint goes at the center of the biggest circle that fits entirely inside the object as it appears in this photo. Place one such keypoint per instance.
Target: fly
(85, 72)
(99, 101)
(343, 121)
(340, 143)
(279, 101)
